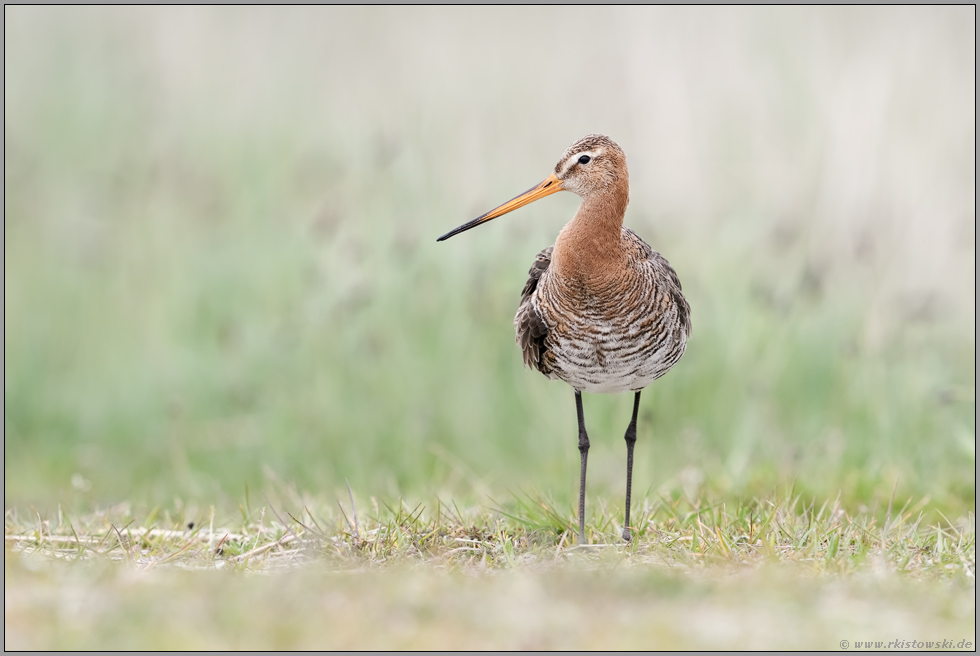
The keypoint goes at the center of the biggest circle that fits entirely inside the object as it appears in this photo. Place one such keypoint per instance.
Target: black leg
(583, 448)
(630, 441)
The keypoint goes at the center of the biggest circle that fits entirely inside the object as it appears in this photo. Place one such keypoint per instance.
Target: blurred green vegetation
(220, 263)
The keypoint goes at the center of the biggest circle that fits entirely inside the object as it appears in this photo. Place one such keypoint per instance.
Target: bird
(601, 310)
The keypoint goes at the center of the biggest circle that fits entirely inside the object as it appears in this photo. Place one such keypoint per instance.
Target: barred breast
(613, 334)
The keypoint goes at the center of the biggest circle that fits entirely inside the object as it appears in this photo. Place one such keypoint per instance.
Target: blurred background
(220, 266)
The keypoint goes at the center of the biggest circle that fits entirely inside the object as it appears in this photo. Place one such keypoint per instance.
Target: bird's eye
(584, 159)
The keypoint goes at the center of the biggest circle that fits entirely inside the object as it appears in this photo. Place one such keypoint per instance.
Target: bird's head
(593, 164)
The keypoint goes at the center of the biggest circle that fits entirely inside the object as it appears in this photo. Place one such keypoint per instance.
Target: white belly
(609, 365)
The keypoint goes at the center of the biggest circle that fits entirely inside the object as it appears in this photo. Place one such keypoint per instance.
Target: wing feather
(530, 325)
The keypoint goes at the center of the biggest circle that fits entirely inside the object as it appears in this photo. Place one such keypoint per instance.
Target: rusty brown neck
(590, 247)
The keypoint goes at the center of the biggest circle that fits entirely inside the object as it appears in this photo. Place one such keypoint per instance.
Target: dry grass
(671, 533)
(771, 573)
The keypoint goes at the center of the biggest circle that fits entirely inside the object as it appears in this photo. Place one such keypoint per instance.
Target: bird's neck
(590, 246)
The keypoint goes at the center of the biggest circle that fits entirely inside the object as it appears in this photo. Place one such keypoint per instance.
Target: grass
(435, 575)
(675, 532)
(222, 290)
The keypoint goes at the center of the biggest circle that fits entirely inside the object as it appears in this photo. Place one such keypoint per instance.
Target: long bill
(551, 185)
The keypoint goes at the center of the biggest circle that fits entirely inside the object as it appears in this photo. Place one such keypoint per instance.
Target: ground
(762, 575)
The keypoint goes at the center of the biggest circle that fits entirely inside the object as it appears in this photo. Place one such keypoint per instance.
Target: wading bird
(601, 310)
